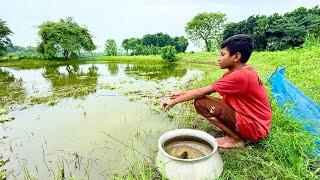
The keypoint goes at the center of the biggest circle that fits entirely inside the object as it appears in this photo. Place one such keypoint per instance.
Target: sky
(121, 19)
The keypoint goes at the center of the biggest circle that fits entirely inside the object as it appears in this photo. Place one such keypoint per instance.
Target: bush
(311, 40)
(168, 53)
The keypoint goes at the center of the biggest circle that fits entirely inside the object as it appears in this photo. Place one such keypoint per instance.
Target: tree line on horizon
(67, 39)
(279, 32)
(151, 44)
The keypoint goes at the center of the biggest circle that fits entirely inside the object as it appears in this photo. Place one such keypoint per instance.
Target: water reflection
(71, 80)
(75, 128)
(155, 72)
(113, 69)
(76, 81)
(11, 89)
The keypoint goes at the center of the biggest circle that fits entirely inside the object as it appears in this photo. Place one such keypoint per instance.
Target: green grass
(34, 63)
(285, 154)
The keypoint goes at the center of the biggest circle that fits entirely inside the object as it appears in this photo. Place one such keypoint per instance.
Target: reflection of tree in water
(11, 90)
(155, 72)
(74, 83)
(113, 69)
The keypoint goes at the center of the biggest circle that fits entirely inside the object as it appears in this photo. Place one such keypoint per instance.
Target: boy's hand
(168, 104)
(176, 94)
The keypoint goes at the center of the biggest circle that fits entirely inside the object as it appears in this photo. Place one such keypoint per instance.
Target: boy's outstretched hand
(176, 94)
(168, 104)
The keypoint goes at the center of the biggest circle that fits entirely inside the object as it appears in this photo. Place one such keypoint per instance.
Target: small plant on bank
(168, 53)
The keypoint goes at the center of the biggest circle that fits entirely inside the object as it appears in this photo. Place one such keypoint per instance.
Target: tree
(163, 39)
(180, 43)
(5, 41)
(259, 33)
(149, 39)
(21, 52)
(206, 27)
(160, 40)
(153, 43)
(279, 32)
(64, 38)
(125, 45)
(284, 32)
(111, 47)
(131, 44)
(230, 30)
(169, 53)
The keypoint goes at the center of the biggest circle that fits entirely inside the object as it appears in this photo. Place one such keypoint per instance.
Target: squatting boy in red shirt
(244, 111)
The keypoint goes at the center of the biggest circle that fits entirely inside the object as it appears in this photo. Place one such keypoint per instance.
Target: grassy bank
(285, 154)
(35, 63)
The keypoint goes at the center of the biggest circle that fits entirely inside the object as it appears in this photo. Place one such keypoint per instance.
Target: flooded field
(90, 120)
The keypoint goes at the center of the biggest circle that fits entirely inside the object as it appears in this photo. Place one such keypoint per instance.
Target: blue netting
(296, 103)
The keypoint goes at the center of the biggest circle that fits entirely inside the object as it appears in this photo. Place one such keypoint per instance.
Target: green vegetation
(169, 53)
(151, 44)
(11, 90)
(3, 111)
(110, 47)
(286, 153)
(158, 73)
(19, 52)
(6, 119)
(279, 32)
(5, 41)
(73, 84)
(2, 172)
(64, 39)
(207, 28)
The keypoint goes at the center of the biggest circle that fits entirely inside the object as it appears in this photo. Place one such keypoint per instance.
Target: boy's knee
(198, 103)
(214, 120)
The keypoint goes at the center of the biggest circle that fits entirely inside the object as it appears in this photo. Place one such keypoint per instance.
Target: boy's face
(225, 61)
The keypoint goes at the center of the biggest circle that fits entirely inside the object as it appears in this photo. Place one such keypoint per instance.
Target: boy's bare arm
(188, 95)
(177, 94)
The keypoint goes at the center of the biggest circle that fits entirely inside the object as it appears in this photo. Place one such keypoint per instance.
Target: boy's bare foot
(217, 129)
(229, 142)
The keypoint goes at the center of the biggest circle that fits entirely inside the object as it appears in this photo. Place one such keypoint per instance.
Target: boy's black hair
(241, 43)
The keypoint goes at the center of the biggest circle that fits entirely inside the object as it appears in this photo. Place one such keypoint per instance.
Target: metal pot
(209, 166)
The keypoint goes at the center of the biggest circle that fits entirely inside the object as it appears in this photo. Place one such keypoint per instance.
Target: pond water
(90, 120)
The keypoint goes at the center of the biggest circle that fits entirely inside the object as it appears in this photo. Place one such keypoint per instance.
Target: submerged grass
(142, 171)
(2, 171)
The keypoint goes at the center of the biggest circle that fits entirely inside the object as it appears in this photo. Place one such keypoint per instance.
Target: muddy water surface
(85, 120)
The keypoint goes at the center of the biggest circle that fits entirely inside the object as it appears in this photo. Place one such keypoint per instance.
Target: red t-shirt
(243, 91)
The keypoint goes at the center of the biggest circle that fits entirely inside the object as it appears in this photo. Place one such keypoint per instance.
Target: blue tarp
(294, 102)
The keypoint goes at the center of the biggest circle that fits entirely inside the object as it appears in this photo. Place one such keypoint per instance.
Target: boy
(244, 113)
